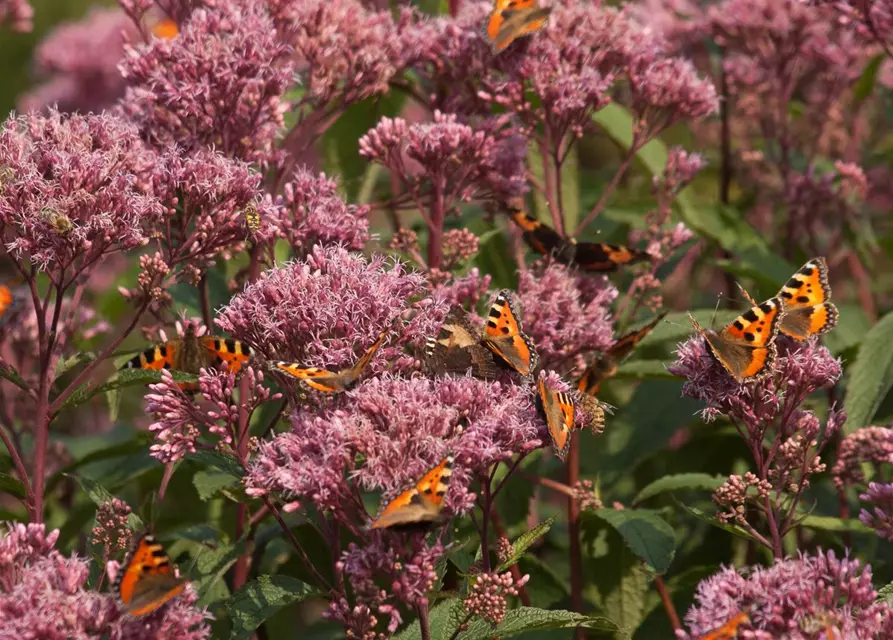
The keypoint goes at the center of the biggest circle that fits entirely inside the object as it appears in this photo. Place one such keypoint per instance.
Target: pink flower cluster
(17, 14)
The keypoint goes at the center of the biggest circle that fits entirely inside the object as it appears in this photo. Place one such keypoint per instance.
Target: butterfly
(165, 29)
(148, 578)
(191, 353)
(502, 335)
(7, 299)
(559, 412)
(728, 631)
(331, 381)
(596, 257)
(512, 19)
(420, 506)
(606, 364)
(252, 218)
(457, 348)
(746, 346)
(806, 296)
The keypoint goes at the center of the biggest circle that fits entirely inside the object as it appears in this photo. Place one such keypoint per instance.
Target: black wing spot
(803, 299)
(750, 315)
(749, 336)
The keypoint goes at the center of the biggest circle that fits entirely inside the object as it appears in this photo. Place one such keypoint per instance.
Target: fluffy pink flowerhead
(218, 84)
(70, 193)
(793, 599)
(17, 14)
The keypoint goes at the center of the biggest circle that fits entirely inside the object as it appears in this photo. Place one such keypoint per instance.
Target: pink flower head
(792, 597)
(18, 14)
(879, 498)
(320, 311)
(311, 212)
(81, 58)
(42, 595)
(566, 315)
(218, 84)
(487, 596)
(866, 445)
(70, 193)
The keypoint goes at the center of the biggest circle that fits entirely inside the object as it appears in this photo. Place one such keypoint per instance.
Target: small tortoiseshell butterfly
(728, 631)
(806, 296)
(148, 578)
(420, 506)
(503, 336)
(331, 381)
(191, 353)
(606, 364)
(457, 348)
(6, 299)
(746, 347)
(559, 411)
(165, 29)
(512, 19)
(595, 257)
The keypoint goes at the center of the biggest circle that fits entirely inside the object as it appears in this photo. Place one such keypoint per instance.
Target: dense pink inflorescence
(565, 314)
(867, 445)
(311, 212)
(791, 598)
(219, 84)
(18, 14)
(42, 595)
(487, 596)
(879, 515)
(81, 61)
(322, 310)
(70, 189)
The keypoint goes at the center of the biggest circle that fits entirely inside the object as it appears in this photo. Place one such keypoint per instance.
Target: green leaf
(851, 327)
(642, 369)
(645, 533)
(570, 189)
(524, 542)
(885, 594)
(871, 375)
(218, 460)
(836, 525)
(443, 620)
(730, 528)
(546, 588)
(679, 482)
(865, 86)
(208, 483)
(100, 496)
(256, 601)
(211, 565)
(8, 372)
(12, 486)
(677, 326)
(524, 619)
(125, 378)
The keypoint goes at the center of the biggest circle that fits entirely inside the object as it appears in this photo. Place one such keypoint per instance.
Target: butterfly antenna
(715, 310)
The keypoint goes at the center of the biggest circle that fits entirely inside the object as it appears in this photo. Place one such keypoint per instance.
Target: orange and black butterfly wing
(161, 356)
(148, 578)
(457, 348)
(165, 29)
(496, 20)
(559, 412)
(746, 347)
(418, 507)
(808, 310)
(226, 354)
(331, 381)
(539, 237)
(504, 338)
(728, 631)
(515, 23)
(599, 257)
(6, 300)
(601, 368)
(625, 344)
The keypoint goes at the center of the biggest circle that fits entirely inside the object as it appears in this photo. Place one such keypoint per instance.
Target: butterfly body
(148, 578)
(331, 381)
(503, 336)
(595, 257)
(458, 349)
(512, 19)
(558, 409)
(419, 506)
(746, 346)
(192, 353)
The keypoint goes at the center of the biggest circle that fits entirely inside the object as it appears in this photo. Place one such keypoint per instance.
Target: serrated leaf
(125, 378)
(256, 601)
(208, 483)
(100, 496)
(871, 375)
(524, 542)
(211, 565)
(8, 372)
(66, 364)
(218, 460)
(12, 486)
(443, 620)
(645, 533)
(524, 619)
(679, 482)
(885, 594)
(837, 525)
